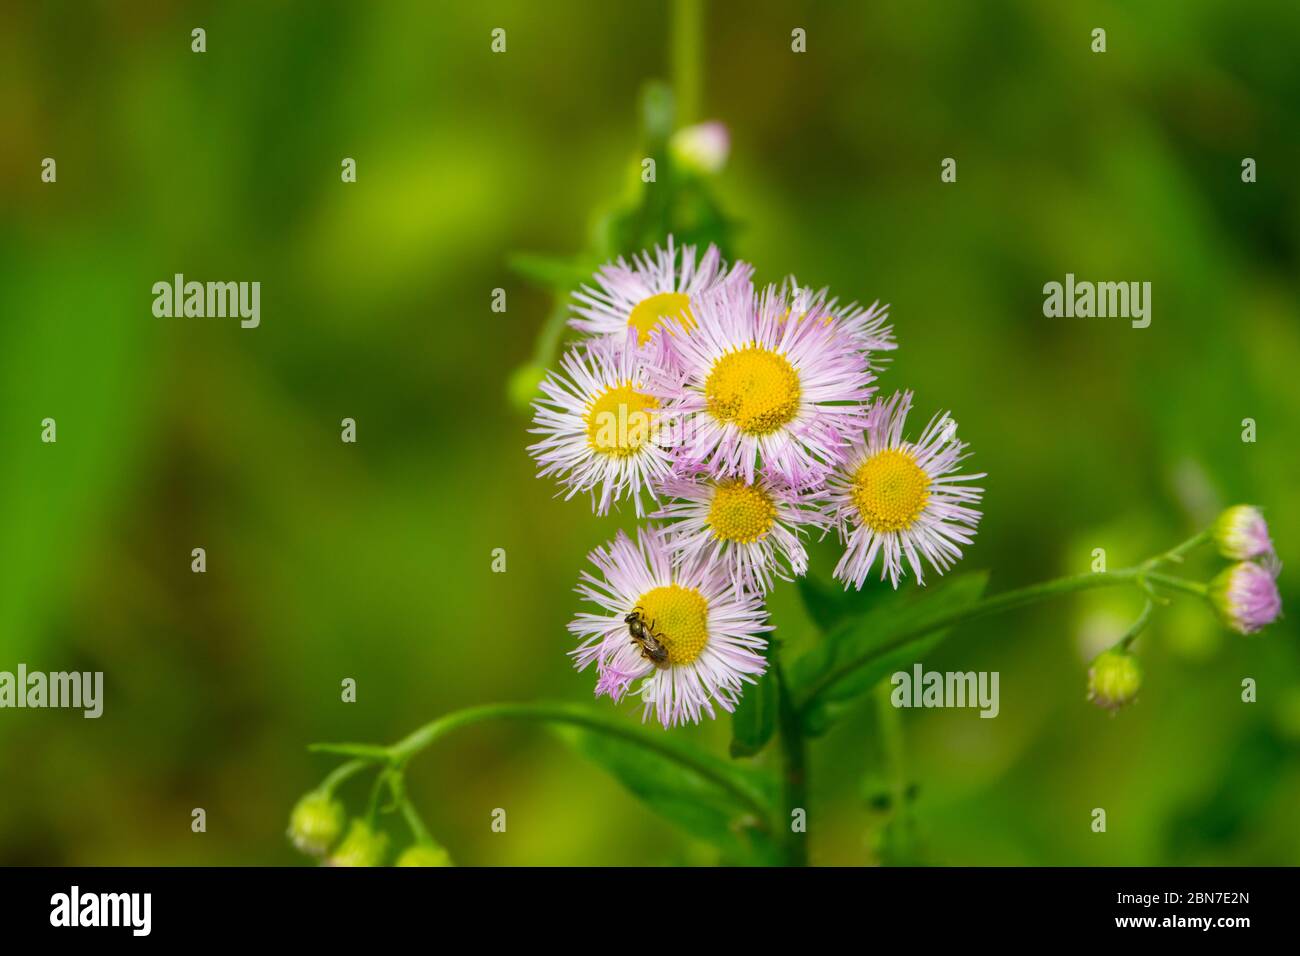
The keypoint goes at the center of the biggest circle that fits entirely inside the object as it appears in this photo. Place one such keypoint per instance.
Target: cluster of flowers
(741, 418)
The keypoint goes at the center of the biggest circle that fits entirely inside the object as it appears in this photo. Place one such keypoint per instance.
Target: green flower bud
(524, 386)
(701, 149)
(1246, 596)
(316, 823)
(425, 854)
(1241, 533)
(1114, 679)
(363, 846)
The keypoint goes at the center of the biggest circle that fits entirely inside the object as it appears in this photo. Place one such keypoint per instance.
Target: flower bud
(525, 385)
(1241, 533)
(1246, 597)
(363, 846)
(316, 822)
(424, 854)
(1114, 679)
(701, 149)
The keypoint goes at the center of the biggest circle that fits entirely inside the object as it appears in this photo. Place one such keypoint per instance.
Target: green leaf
(754, 721)
(863, 648)
(552, 272)
(826, 603)
(658, 113)
(708, 798)
(74, 349)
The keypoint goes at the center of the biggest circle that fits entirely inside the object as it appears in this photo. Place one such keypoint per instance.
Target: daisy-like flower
(754, 388)
(1246, 596)
(677, 626)
(600, 426)
(869, 327)
(1241, 533)
(750, 530)
(665, 284)
(901, 499)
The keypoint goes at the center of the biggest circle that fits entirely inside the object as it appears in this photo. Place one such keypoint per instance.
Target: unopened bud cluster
(1245, 595)
(319, 827)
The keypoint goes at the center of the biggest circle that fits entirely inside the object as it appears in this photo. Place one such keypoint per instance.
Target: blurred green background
(372, 561)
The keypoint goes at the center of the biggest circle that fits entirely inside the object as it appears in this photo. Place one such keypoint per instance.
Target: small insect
(645, 638)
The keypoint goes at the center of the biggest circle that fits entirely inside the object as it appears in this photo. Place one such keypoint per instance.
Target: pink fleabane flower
(868, 327)
(1241, 533)
(1246, 596)
(705, 636)
(751, 530)
(901, 499)
(752, 390)
(665, 284)
(600, 426)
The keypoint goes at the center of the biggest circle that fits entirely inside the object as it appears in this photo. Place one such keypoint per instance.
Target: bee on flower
(705, 637)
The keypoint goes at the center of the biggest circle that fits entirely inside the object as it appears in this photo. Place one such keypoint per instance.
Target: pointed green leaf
(863, 648)
(827, 603)
(708, 798)
(754, 721)
(551, 272)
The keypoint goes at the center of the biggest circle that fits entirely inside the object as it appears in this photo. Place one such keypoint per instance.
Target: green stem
(413, 821)
(551, 333)
(397, 783)
(1006, 601)
(891, 742)
(376, 791)
(1138, 626)
(341, 773)
(902, 842)
(1176, 553)
(794, 779)
(687, 50)
(365, 754)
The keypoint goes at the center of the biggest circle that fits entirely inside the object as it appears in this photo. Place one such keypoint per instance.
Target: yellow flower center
(754, 387)
(620, 421)
(890, 490)
(679, 618)
(740, 512)
(647, 314)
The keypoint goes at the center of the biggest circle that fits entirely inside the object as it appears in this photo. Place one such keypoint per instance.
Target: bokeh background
(372, 561)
